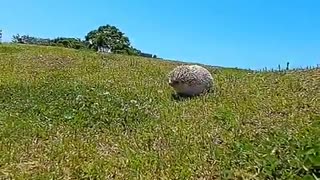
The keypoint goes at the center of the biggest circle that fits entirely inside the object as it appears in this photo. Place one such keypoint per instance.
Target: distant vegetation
(110, 39)
(75, 43)
(106, 38)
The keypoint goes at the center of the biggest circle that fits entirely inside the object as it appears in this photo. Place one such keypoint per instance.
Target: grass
(67, 114)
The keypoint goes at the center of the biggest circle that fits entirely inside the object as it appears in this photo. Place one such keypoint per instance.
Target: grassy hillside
(67, 114)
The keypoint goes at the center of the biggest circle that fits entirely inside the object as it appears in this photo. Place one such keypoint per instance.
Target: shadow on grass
(182, 97)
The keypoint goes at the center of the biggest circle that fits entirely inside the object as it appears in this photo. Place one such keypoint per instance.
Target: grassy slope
(70, 114)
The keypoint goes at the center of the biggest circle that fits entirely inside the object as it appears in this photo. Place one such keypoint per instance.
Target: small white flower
(78, 97)
(133, 101)
(106, 93)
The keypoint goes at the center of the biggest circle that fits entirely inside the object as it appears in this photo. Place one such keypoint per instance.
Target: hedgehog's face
(174, 83)
(176, 76)
(178, 85)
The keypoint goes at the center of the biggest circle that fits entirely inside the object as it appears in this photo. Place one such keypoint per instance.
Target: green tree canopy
(75, 43)
(110, 37)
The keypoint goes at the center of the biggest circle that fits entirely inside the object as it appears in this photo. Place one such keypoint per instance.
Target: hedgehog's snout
(173, 82)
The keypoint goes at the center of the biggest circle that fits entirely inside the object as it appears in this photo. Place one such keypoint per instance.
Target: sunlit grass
(68, 114)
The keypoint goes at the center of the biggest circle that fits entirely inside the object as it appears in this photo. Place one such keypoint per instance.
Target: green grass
(67, 114)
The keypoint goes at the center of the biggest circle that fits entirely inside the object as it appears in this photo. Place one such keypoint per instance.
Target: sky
(250, 34)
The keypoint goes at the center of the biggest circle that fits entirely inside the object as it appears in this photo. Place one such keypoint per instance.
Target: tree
(26, 39)
(74, 43)
(110, 37)
(17, 39)
(0, 36)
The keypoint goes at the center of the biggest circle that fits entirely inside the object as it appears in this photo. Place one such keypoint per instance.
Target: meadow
(71, 114)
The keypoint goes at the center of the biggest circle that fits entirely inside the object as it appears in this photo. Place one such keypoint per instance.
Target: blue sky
(234, 33)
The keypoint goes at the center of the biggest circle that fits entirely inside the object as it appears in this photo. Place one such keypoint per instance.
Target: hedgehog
(190, 80)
